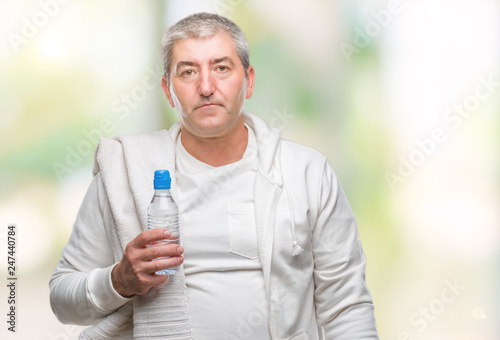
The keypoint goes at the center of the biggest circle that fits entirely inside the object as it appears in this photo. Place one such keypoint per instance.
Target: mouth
(207, 105)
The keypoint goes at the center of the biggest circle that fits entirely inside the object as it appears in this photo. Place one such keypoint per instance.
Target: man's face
(208, 85)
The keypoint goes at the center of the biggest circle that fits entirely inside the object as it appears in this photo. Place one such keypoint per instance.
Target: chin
(210, 130)
(211, 123)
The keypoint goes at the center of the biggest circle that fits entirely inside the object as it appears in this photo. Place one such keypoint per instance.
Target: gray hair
(203, 25)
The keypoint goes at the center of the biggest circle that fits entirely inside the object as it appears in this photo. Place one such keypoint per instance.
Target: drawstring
(297, 249)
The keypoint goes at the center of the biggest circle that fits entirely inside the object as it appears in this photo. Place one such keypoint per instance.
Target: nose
(206, 86)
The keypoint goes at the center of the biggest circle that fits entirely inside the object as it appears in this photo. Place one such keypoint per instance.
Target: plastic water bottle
(163, 213)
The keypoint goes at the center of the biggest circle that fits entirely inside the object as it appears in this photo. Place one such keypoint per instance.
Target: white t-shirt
(224, 278)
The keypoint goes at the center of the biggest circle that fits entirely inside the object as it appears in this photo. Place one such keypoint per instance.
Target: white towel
(127, 166)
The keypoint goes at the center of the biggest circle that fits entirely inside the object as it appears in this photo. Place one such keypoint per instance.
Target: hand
(135, 273)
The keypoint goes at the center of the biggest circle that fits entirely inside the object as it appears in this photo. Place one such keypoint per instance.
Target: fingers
(160, 264)
(143, 283)
(136, 279)
(161, 250)
(148, 236)
(135, 273)
(155, 280)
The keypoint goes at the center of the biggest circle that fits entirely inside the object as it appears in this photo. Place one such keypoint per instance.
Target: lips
(207, 105)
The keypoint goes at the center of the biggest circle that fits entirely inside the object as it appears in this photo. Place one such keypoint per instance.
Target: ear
(250, 81)
(166, 90)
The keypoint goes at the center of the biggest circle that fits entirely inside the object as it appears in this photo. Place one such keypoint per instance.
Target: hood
(268, 143)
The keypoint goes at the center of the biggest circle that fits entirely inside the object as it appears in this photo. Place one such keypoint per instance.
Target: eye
(222, 68)
(187, 73)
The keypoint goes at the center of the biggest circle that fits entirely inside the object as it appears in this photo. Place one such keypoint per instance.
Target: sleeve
(81, 291)
(344, 305)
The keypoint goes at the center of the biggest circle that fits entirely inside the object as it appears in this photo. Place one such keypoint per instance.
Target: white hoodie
(312, 261)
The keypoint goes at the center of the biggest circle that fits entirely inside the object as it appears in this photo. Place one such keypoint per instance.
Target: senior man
(270, 247)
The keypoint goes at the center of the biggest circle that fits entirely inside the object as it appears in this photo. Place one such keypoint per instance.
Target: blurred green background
(401, 96)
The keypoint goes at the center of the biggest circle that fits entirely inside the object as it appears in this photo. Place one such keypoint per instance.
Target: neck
(217, 151)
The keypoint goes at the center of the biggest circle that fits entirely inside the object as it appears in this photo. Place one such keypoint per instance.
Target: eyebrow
(212, 61)
(222, 59)
(184, 63)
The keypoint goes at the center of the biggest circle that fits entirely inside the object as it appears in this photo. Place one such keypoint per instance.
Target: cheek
(180, 91)
(183, 96)
(237, 90)
(243, 91)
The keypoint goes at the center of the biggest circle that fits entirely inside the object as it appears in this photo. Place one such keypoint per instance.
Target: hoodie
(308, 243)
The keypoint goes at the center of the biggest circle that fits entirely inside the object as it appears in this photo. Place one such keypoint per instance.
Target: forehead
(201, 49)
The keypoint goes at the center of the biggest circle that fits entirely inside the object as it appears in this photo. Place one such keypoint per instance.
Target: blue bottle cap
(162, 179)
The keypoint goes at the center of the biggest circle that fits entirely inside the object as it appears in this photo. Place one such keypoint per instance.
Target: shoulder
(306, 165)
(292, 152)
(303, 166)
(142, 137)
(112, 150)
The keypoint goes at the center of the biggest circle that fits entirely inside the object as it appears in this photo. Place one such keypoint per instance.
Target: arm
(343, 303)
(81, 291)
(87, 285)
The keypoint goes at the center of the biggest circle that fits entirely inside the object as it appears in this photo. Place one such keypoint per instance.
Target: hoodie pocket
(242, 231)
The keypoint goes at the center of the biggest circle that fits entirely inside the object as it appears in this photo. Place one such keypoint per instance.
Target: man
(270, 248)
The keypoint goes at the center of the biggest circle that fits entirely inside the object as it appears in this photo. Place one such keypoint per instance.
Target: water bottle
(163, 213)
